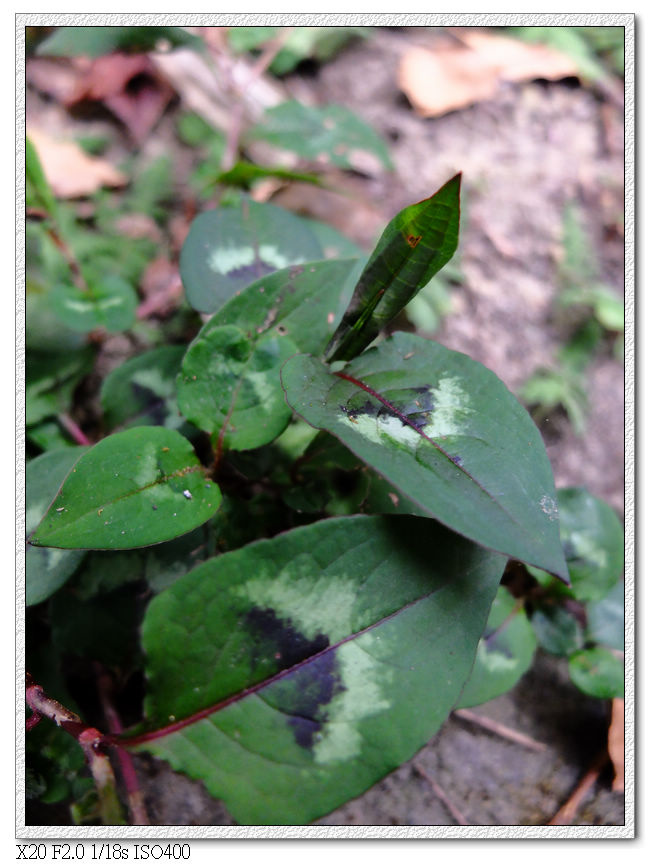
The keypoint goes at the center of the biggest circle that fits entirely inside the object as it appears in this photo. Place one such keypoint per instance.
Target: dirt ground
(524, 153)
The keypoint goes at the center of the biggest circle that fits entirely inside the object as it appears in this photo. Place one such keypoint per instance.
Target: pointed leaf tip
(447, 433)
(414, 246)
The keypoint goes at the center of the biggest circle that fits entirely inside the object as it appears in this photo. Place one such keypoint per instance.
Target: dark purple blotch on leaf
(303, 694)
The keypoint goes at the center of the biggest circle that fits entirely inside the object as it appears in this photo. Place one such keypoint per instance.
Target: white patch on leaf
(148, 471)
(313, 606)
(495, 662)
(224, 260)
(363, 679)
(451, 406)
(451, 409)
(272, 255)
(549, 506)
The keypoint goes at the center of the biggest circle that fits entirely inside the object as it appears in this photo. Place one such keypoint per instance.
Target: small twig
(74, 430)
(139, 816)
(260, 66)
(160, 302)
(567, 812)
(458, 816)
(268, 55)
(500, 730)
(32, 721)
(71, 261)
(232, 139)
(91, 741)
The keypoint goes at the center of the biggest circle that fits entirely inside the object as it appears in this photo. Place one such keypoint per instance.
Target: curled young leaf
(415, 245)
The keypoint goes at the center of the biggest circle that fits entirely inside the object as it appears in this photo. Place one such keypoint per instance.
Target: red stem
(174, 727)
(71, 261)
(32, 721)
(402, 417)
(137, 808)
(74, 430)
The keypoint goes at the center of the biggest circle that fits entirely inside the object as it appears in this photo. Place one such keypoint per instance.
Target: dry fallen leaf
(129, 86)
(139, 225)
(616, 744)
(349, 212)
(457, 75)
(56, 76)
(162, 288)
(70, 172)
(519, 61)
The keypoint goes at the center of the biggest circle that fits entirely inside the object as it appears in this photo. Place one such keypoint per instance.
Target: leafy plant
(585, 622)
(289, 671)
(330, 133)
(595, 50)
(297, 43)
(593, 310)
(97, 41)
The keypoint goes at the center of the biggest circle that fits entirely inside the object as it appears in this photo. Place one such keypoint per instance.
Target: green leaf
(556, 629)
(571, 41)
(46, 570)
(244, 174)
(230, 380)
(606, 618)
(228, 248)
(110, 304)
(299, 43)
(50, 380)
(447, 433)
(549, 389)
(313, 43)
(430, 305)
(152, 191)
(598, 673)
(96, 41)
(94, 145)
(38, 191)
(505, 652)
(330, 133)
(608, 308)
(575, 356)
(142, 390)
(230, 385)
(330, 479)
(304, 668)
(132, 489)
(334, 244)
(195, 131)
(48, 436)
(57, 760)
(593, 543)
(45, 331)
(105, 571)
(414, 246)
(243, 39)
(166, 563)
